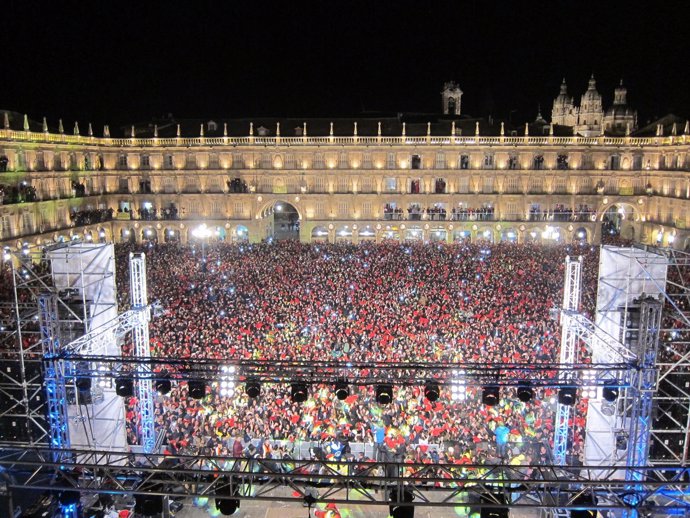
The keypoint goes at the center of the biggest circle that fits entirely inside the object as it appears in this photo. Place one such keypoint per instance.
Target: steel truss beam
(375, 483)
(361, 373)
(568, 356)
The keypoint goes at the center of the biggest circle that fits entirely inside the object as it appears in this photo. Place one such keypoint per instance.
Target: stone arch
(438, 234)
(366, 233)
(581, 235)
(319, 235)
(127, 235)
(171, 235)
(485, 234)
(413, 233)
(509, 235)
(390, 233)
(266, 209)
(343, 234)
(149, 234)
(462, 235)
(240, 233)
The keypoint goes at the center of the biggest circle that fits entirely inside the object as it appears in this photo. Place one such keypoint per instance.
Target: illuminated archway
(282, 220)
(319, 235)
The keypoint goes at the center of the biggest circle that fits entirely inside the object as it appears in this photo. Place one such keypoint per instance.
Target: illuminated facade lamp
(432, 391)
(567, 396)
(342, 391)
(524, 391)
(299, 392)
(384, 394)
(490, 395)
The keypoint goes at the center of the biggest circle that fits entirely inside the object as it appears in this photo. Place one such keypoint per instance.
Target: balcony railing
(450, 140)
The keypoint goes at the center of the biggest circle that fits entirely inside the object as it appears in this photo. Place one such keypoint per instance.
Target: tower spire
(61, 128)
(44, 125)
(6, 120)
(26, 122)
(90, 130)
(76, 127)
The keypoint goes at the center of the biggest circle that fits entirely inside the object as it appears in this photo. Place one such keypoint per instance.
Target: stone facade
(357, 188)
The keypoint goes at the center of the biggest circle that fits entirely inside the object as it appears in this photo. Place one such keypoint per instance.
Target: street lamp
(202, 232)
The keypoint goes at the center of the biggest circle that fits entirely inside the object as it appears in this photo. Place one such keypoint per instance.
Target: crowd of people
(388, 302)
(90, 216)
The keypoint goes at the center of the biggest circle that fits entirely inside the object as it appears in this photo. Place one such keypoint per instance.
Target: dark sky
(118, 62)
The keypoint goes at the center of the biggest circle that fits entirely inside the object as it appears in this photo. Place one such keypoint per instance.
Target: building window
(538, 162)
(464, 162)
(562, 162)
(416, 162)
(168, 162)
(390, 184)
(463, 185)
(145, 162)
(343, 209)
(122, 162)
(488, 185)
(488, 161)
(440, 160)
(320, 184)
(440, 186)
(320, 209)
(343, 184)
(366, 210)
(512, 162)
(391, 161)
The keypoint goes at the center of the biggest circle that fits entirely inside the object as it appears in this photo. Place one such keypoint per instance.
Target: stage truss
(658, 488)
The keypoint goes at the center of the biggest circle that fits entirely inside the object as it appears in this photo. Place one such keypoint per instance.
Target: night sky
(120, 63)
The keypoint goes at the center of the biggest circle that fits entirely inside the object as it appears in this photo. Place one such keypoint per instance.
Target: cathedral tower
(451, 97)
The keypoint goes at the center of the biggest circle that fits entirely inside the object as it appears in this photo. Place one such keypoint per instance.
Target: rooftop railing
(85, 140)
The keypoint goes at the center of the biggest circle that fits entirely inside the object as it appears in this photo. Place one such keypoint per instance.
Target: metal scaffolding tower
(660, 360)
(571, 303)
(142, 348)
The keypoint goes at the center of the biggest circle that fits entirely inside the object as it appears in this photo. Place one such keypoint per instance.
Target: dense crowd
(388, 302)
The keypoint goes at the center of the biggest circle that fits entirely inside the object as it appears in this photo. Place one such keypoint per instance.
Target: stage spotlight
(524, 391)
(83, 384)
(227, 506)
(67, 498)
(402, 509)
(432, 391)
(148, 505)
(253, 389)
(342, 391)
(567, 396)
(621, 441)
(384, 394)
(299, 392)
(197, 389)
(490, 395)
(610, 391)
(163, 384)
(124, 387)
(584, 501)
(492, 505)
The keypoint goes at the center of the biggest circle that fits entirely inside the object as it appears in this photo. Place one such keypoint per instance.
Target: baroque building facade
(348, 181)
